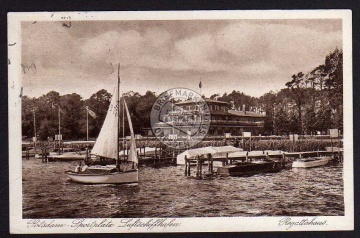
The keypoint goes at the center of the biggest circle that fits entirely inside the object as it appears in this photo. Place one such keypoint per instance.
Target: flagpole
(200, 86)
(59, 131)
(87, 124)
(35, 127)
(123, 127)
(118, 120)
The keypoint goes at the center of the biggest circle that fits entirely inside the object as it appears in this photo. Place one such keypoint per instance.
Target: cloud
(114, 46)
(47, 44)
(157, 37)
(249, 56)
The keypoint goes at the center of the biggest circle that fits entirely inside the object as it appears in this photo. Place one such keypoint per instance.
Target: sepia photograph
(149, 122)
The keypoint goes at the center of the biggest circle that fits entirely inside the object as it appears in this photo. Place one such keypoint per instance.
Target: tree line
(73, 118)
(310, 102)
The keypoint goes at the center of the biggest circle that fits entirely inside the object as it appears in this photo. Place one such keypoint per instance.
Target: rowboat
(310, 162)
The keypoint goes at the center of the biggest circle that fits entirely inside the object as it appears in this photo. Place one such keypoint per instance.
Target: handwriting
(12, 44)
(289, 222)
(127, 223)
(43, 224)
(149, 224)
(82, 223)
(65, 24)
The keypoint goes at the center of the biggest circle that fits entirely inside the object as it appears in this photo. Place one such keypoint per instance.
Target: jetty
(284, 158)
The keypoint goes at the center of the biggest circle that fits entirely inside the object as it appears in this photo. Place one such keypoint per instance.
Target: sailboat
(107, 146)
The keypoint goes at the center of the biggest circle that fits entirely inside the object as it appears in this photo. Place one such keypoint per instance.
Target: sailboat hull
(111, 178)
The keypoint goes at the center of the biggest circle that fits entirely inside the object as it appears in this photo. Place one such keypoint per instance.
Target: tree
(267, 102)
(99, 103)
(281, 121)
(72, 112)
(27, 121)
(140, 108)
(296, 87)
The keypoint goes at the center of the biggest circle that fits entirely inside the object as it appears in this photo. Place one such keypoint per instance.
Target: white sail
(105, 145)
(132, 152)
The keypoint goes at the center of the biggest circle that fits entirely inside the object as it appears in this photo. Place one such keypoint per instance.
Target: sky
(250, 56)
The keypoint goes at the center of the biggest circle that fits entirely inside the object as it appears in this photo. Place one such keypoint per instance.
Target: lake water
(167, 192)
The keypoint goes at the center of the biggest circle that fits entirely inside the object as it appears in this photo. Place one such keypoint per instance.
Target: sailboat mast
(123, 127)
(118, 120)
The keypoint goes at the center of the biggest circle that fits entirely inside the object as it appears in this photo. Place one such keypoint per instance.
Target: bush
(288, 146)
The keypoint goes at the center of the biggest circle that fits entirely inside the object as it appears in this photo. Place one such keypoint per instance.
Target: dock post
(42, 154)
(247, 154)
(283, 160)
(227, 158)
(46, 158)
(200, 172)
(339, 156)
(188, 171)
(211, 164)
(186, 164)
(197, 167)
(173, 156)
(27, 153)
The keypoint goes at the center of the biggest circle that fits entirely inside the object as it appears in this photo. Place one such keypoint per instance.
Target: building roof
(207, 100)
(247, 114)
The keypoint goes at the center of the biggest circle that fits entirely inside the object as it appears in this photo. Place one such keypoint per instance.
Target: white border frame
(200, 224)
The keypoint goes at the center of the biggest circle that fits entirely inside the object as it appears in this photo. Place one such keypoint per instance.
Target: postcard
(180, 121)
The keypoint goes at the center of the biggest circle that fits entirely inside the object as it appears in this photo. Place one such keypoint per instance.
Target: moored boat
(69, 156)
(310, 162)
(250, 168)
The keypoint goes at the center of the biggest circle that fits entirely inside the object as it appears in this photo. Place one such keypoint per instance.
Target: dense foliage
(310, 102)
(73, 114)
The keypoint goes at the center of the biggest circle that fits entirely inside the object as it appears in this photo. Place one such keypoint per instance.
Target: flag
(91, 113)
(200, 85)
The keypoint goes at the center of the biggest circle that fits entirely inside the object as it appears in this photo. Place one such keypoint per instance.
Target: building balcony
(237, 123)
(213, 122)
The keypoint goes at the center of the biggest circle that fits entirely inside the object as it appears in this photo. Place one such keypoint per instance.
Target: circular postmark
(180, 118)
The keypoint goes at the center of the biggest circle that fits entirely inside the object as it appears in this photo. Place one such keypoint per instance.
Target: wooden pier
(285, 158)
